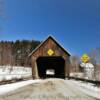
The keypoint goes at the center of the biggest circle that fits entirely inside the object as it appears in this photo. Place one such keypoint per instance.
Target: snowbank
(14, 72)
(87, 88)
(11, 87)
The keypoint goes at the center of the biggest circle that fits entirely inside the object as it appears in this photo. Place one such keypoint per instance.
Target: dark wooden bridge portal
(49, 57)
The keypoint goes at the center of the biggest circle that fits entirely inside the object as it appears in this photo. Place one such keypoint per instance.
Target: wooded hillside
(16, 53)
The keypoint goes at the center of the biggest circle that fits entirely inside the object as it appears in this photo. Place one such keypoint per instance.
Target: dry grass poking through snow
(48, 89)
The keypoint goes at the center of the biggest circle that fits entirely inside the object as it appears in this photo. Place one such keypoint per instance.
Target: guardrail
(86, 80)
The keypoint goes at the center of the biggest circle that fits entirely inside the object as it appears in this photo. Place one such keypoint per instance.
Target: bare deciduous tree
(95, 56)
(74, 63)
(95, 60)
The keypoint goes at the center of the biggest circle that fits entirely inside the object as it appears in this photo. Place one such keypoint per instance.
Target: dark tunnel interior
(53, 63)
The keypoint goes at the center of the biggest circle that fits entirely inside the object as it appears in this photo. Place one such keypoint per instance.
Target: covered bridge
(49, 59)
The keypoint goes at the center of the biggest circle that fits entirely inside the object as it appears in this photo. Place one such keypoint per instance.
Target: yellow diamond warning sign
(50, 52)
(85, 58)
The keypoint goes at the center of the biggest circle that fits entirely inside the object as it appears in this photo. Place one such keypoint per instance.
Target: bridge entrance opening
(51, 67)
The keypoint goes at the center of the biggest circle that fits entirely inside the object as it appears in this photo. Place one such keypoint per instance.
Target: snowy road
(49, 89)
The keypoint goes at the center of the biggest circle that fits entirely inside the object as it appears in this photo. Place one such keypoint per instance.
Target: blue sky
(74, 23)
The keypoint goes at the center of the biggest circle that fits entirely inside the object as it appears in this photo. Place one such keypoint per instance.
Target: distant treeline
(16, 53)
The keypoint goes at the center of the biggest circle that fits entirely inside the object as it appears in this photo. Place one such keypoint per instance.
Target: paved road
(49, 89)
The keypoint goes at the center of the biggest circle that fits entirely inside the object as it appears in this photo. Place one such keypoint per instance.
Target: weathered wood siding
(42, 51)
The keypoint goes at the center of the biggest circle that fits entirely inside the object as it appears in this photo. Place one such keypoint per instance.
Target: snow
(50, 72)
(14, 72)
(11, 87)
(87, 88)
(87, 65)
(88, 70)
(48, 89)
(67, 87)
(77, 74)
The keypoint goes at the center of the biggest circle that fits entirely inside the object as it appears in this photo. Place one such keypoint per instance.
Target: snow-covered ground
(17, 72)
(64, 86)
(87, 88)
(11, 87)
(48, 89)
(14, 72)
(85, 76)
